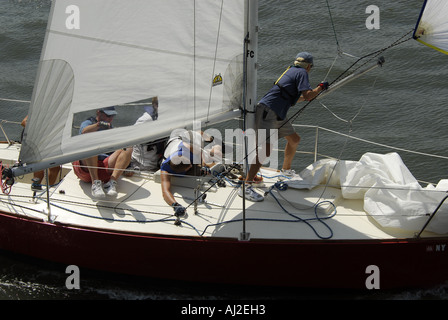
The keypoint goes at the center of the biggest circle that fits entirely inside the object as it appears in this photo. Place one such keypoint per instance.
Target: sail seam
(123, 44)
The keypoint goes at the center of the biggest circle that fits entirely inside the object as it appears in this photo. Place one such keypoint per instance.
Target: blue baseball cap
(307, 57)
(110, 111)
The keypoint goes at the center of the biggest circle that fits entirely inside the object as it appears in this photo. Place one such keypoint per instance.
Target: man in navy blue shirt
(291, 87)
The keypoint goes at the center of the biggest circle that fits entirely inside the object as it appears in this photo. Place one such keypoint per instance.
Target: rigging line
(384, 145)
(83, 204)
(365, 100)
(104, 206)
(331, 68)
(334, 166)
(296, 219)
(167, 219)
(339, 48)
(316, 206)
(375, 54)
(334, 29)
(14, 100)
(128, 197)
(223, 174)
(8, 121)
(214, 60)
(334, 114)
(350, 127)
(359, 111)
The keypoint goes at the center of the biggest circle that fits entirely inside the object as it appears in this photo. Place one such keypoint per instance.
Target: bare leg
(53, 174)
(118, 161)
(92, 166)
(255, 167)
(293, 141)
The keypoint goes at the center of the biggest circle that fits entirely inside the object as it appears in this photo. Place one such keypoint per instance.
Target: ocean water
(402, 104)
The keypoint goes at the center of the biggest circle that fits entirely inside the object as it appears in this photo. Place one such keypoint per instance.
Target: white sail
(100, 53)
(432, 26)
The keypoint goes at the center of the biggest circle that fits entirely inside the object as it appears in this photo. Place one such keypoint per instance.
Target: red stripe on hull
(308, 263)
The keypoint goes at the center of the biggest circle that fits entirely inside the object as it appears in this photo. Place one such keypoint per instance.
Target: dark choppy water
(22, 278)
(401, 105)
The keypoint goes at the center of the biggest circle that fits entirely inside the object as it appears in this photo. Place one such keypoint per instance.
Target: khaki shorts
(266, 119)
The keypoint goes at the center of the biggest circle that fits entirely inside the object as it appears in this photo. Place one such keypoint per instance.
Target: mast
(252, 60)
(250, 73)
(249, 91)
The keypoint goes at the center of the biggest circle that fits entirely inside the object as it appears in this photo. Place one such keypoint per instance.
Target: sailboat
(359, 224)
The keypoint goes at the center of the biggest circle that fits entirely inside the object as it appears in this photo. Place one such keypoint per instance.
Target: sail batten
(132, 51)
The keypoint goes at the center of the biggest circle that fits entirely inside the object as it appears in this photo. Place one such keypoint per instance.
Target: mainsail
(187, 53)
(432, 26)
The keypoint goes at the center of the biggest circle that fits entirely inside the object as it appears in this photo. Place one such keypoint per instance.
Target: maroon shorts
(83, 173)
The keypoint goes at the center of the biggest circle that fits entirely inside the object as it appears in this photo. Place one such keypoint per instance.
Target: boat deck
(320, 213)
